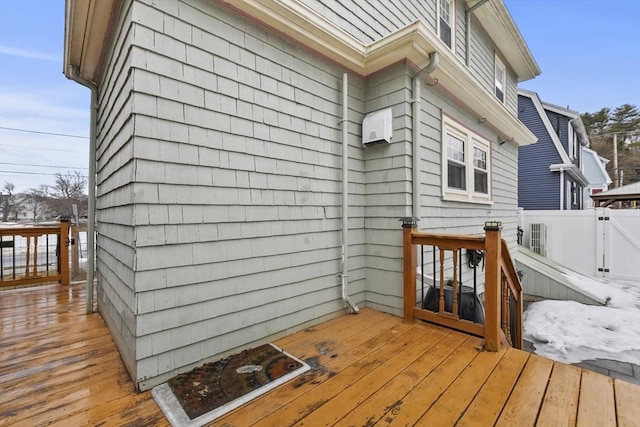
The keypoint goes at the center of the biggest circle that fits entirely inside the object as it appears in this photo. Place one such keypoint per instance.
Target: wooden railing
(31, 255)
(446, 301)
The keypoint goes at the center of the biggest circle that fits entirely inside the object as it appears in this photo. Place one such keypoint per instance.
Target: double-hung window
(500, 78)
(466, 164)
(445, 21)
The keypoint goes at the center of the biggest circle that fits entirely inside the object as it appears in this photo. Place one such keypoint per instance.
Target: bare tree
(8, 200)
(69, 189)
(37, 198)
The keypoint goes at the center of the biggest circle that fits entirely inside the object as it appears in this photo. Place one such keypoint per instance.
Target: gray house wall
(219, 181)
(116, 191)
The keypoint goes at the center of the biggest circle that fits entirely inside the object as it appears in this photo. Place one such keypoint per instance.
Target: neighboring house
(594, 168)
(550, 173)
(225, 214)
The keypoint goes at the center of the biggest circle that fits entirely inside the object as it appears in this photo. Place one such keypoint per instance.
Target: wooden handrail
(30, 273)
(502, 284)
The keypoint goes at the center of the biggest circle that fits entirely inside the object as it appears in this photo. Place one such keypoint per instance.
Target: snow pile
(570, 332)
(619, 295)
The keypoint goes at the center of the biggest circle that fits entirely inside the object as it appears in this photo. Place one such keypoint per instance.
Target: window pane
(455, 148)
(480, 182)
(479, 158)
(445, 21)
(499, 79)
(456, 176)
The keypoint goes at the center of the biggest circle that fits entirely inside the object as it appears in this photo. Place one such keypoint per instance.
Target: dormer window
(445, 21)
(500, 78)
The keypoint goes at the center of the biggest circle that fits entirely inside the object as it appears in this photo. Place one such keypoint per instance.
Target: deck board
(60, 367)
(560, 403)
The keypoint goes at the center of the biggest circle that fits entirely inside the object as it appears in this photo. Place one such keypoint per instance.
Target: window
(466, 160)
(480, 173)
(445, 21)
(455, 162)
(500, 77)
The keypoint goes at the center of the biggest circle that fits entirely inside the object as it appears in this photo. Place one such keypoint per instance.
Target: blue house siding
(561, 125)
(538, 187)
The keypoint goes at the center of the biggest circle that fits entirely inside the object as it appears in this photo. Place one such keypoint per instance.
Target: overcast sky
(588, 50)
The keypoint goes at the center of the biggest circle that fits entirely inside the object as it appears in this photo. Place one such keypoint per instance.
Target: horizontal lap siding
(238, 186)
(538, 187)
(114, 211)
(370, 20)
(442, 216)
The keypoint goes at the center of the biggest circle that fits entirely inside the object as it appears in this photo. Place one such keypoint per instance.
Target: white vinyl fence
(598, 242)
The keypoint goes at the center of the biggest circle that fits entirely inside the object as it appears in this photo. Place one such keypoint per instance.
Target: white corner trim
(547, 125)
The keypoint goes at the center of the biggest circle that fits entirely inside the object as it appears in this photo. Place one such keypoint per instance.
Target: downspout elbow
(434, 61)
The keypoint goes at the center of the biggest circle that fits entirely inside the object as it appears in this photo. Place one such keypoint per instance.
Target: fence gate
(599, 242)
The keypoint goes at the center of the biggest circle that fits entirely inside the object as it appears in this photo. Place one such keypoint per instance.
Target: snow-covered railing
(445, 301)
(34, 254)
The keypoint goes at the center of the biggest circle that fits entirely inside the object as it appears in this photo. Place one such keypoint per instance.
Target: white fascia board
(547, 125)
(578, 127)
(560, 110)
(574, 119)
(498, 23)
(572, 170)
(86, 31)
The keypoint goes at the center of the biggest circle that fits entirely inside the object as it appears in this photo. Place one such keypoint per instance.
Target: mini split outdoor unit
(377, 128)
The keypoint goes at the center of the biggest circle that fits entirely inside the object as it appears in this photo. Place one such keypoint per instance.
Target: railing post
(63, 244)
(492, 293)
(409, 266)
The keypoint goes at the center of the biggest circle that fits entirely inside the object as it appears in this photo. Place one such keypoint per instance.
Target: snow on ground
(571, 332)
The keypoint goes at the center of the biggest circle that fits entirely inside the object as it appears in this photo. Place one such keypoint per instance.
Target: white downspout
(353, 308)
(91, 214)
(561, 189)
(434, 59)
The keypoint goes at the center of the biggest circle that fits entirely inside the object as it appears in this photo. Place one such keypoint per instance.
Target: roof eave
(413, 43)
(87, 26)
(88, 23)
(498, 23)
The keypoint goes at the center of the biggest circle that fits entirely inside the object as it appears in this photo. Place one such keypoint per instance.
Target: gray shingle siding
(115, 255)
(219, 179)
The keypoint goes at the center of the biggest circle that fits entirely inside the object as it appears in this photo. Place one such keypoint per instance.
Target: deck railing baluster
(503, 289)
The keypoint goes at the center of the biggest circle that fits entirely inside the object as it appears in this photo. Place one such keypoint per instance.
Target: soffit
(85, 35)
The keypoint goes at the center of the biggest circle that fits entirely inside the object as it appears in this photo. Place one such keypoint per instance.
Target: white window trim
(452, 17)
(471, 140)
(498, 63)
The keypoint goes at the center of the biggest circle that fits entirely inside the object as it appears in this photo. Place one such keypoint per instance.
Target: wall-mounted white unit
(538, 238)
(377, 128)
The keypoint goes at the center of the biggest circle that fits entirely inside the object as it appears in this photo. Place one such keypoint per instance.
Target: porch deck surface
(59, 366)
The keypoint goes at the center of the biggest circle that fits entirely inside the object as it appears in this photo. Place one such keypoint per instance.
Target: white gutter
(353, 308)
(434, 60)
(92, 184)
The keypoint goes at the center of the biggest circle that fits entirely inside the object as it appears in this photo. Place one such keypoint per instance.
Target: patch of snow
(570, 332)
(615, 294)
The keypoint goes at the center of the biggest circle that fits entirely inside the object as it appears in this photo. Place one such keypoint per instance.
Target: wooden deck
(59, 366)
